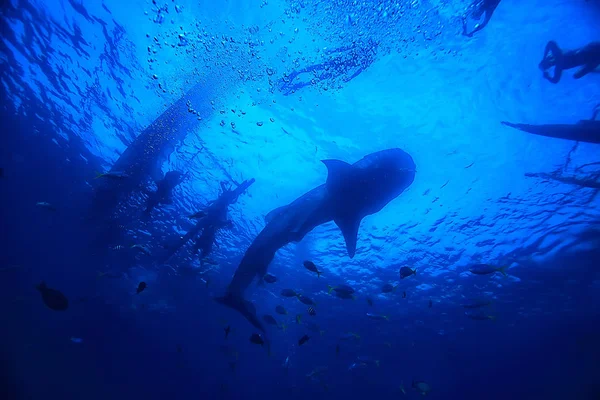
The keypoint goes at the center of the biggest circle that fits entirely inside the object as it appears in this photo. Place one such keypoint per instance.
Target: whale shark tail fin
(243, 307)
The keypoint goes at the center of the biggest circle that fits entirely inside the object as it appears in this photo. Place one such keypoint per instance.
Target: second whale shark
(351, 192)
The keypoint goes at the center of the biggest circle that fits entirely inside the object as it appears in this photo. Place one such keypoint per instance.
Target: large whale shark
(350, 193)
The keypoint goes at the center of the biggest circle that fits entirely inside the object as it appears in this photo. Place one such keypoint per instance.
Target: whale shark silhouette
(350, 193)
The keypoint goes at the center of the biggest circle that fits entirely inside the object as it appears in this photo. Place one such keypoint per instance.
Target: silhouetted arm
(584, 71)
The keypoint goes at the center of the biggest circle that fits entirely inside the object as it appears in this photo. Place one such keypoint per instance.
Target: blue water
(266, 89)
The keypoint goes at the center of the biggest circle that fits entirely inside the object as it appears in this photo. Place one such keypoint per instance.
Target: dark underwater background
(233, 90)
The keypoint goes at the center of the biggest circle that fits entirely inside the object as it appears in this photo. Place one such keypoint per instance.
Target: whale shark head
(365, 187)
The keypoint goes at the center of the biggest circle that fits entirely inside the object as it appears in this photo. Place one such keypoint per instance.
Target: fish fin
(329, 289)
(386, 317)
(415, 271)
(337, 173)
(503, 269)
(99, 175)
(319, 274)
(243, 307)
(349, 227)
(274, 213)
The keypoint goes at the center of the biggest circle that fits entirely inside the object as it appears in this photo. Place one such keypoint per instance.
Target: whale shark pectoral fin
(244, 307)
(274, 213)
(349, 227)
(338, 173)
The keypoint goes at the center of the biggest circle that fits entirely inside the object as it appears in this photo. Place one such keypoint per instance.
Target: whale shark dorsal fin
(274, 213)
(337, 173)
(349, 227)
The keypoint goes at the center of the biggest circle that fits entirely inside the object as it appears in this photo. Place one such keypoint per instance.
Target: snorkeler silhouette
(477, 9)
(164, 190)
(587, 57)
(210, 219)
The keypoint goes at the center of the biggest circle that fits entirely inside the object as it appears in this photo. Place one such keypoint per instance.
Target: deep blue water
(265, 90)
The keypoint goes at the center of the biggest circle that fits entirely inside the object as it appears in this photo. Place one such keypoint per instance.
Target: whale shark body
(350, 193)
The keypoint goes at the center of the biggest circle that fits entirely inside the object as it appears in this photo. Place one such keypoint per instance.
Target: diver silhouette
(587, 57)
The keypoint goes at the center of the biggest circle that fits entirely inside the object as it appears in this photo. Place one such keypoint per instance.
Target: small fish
(116, 175)
(403, 295)
(405, 272)
(53, 298)
(311, 311)
(303, 340)
(309, 265)
(257, 339)
(486, 269)
(298, 318)
(270, 278)
(76, 340)
(47, 206)
(281, 310)
(289, 293)
(402, 388)
(479, 315)
(118, 247)
(388, 288)
(476, 303)
(286, 363)
(367, 361)
(378, 317)
(430, 303)
(369, 301)
(141, 287)
(209, 261)
(345, 296)
(306, 300)
(227, 330)
(269, 319)
(341, 290)
(421, 387)
(198, 215)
